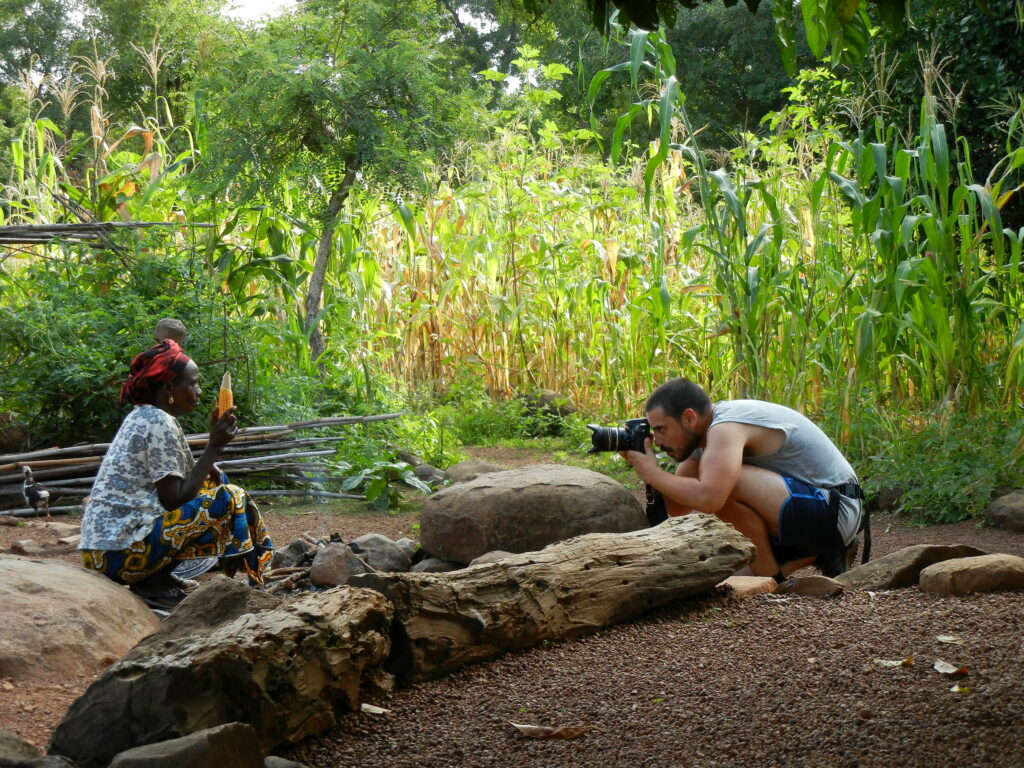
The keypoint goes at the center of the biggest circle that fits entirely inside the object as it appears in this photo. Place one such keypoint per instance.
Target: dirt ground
(755, 682)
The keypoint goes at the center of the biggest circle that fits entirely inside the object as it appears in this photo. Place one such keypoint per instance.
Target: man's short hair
(676, 395)
(170, 328)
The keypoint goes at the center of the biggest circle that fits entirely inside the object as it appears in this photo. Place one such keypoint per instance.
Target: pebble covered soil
(756, 682)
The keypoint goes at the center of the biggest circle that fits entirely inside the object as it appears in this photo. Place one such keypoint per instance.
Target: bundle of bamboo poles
(276, 454)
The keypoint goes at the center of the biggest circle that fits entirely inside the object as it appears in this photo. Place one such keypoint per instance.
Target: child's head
(170, 328)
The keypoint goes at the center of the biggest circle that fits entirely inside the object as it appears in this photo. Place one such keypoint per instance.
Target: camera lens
(608, 439)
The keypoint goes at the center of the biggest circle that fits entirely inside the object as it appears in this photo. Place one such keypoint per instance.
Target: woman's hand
(224, 429)
(175, 491)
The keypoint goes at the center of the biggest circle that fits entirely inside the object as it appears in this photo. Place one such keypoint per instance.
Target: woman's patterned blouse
(149, 446)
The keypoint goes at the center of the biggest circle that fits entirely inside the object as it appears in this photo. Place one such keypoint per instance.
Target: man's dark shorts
(807, 525)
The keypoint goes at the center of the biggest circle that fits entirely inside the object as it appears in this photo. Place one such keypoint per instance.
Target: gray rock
(434, 565)
(382, 553)
(1007, 511)
(472, 469)
(491, 557)
(985, 573)
(292, 555)
(524, 510)
(549, 402)
(334, 565)
(13, 747)
(46, 761)
(902, 568)
(810, 586)
(430, 475)
(887, 499)
(408, 546)
(280, 762)
(285, 671)
(234, 745)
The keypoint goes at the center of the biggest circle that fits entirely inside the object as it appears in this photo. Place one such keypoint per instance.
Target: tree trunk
(444, 621)
(315, 292)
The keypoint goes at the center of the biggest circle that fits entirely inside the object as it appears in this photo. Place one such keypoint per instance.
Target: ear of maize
(225, 399)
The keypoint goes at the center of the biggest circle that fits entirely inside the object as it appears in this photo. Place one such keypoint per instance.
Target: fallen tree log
(443, 621)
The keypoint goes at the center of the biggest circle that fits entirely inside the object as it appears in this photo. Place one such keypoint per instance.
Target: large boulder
(62, 621)
(974, 574)
(902, 567)
(1007, 511)
(523, 510)
(283, 668)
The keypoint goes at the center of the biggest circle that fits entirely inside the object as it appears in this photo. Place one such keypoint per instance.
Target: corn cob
(225, 399)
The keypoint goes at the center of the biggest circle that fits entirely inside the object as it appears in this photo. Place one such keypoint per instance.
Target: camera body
(628, 438)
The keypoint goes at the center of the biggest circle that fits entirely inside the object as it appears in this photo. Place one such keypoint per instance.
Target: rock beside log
(444, 621)
(524, 510)
(283, 670)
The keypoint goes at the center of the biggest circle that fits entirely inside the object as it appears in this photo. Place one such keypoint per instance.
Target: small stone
(747, 586)
(864, 713)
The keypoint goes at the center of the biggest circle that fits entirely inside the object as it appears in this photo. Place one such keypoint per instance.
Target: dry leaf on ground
(949, 669)
(552, 732)
(897, 663)
(957, 688)
(952, 640)
(372, 709)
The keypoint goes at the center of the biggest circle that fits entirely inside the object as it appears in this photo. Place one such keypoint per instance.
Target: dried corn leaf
(949, 669)
(552, 732)
(957, 688)
(909, 661)
(952, 640)
(371, 709)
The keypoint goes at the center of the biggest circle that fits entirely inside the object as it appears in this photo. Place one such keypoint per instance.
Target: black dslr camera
(628, 438)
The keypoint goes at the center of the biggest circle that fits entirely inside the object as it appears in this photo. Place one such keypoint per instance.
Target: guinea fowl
(35, 495)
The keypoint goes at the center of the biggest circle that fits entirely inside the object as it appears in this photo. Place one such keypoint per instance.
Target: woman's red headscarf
(160, 364)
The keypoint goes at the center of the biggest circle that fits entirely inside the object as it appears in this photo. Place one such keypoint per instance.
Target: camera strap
(656, 511)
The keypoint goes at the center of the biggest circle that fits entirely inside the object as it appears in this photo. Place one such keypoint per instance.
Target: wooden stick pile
(92, 232)
(276, 454)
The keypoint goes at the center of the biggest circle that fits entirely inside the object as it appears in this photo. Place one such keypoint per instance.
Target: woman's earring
(170, 400)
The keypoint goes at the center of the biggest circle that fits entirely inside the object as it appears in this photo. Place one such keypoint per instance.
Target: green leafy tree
(364, 94)
(154, 51)
(36, 35)
(839, 27)
(974, 68)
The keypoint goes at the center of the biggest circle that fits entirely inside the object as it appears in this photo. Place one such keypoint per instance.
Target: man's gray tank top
(806, 453)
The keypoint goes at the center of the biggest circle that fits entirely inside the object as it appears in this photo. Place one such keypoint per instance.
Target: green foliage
(71, 331)
(946, 468)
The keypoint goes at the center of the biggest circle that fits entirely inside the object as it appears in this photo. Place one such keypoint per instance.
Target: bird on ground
(35, 495)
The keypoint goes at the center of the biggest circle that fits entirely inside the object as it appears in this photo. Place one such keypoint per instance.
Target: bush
(946, 469)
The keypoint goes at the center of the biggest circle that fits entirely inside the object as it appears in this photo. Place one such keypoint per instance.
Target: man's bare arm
(705, 490)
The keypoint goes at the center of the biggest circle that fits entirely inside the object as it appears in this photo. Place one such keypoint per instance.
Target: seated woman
(154, 505)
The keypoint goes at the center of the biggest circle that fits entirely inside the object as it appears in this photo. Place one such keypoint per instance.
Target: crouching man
(762, 467)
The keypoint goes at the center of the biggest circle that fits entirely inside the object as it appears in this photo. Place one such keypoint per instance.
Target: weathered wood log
(444, 621)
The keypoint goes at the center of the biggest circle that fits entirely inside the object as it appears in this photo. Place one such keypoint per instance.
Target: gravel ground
(725, 682)
(757, 682)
